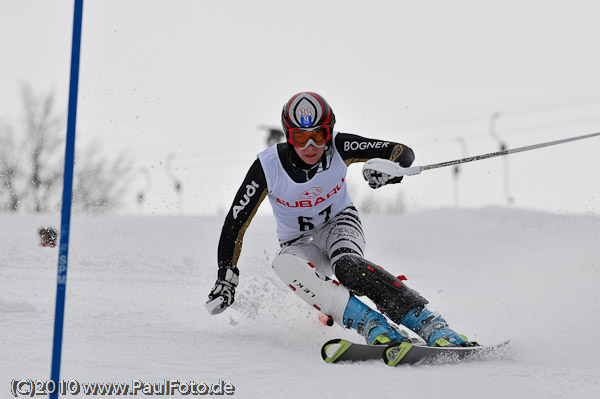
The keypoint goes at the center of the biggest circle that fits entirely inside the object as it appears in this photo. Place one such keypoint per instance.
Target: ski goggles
(302, 138)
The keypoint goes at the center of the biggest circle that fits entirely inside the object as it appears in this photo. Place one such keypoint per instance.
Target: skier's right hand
(223, 293)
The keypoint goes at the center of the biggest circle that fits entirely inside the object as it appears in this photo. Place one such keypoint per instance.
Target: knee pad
(365, 278)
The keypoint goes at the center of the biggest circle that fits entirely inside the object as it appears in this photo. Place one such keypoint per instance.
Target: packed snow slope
(137, 287)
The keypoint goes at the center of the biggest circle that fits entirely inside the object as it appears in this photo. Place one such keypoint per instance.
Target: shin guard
(316, 289)
(365, 278)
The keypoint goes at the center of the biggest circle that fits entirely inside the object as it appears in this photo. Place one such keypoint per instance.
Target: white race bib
(300, 207)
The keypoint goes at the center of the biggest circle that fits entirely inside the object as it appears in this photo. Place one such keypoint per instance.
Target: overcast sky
(187, 84)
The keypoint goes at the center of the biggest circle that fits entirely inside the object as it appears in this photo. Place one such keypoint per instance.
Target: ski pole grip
(213, 306)
(413, 170)
(390, 167)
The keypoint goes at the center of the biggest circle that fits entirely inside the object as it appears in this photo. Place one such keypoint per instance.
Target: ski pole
(327, 320)
(393, 169)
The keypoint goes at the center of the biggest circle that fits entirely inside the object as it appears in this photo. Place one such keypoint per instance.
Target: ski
(405, 353)
(340, 350)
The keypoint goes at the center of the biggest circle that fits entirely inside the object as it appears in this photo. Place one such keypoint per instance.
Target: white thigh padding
(313, 287)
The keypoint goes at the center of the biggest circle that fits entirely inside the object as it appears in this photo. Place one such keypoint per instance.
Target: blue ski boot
(371, 324)
(433, 328)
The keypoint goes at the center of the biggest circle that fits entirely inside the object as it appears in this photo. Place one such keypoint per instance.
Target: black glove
(378, 179)
(223, 293)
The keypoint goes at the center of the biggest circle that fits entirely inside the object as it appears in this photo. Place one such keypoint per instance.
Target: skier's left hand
(223, 293)
(378, 179)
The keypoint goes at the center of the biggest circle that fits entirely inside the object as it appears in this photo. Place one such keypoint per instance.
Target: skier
(320, 231)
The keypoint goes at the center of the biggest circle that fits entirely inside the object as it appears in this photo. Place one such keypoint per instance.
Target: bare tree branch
(100, 184)
(32, 161)
(10, 195)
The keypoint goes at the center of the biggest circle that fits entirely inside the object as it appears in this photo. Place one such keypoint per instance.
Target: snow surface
(137, 286)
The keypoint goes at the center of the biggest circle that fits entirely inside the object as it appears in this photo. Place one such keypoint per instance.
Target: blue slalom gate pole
(63, 254)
